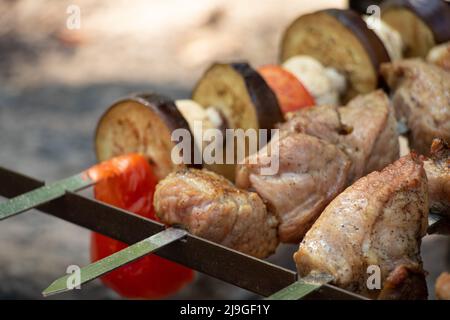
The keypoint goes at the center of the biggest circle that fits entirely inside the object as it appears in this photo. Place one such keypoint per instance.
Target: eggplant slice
(242, 97)
(142, 124)
(422, 24)
(339, 39)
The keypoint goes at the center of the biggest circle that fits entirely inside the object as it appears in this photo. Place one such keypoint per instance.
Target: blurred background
(55, 83)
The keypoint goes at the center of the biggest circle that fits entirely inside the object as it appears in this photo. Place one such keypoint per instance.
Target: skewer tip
(57, 286)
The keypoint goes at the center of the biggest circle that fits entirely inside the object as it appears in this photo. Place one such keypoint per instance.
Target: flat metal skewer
(44, 194)
(116, 260)
(57, 189)
(302, 287)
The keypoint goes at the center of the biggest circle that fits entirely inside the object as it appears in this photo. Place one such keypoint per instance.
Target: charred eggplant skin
(435, 14)
(370, 41)
(267, 108)
(243, 98)
(356, 63)
(168, 111)
(161, 105)
(374, 46)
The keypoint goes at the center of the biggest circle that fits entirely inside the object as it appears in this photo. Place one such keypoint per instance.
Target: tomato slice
(290, 92)
(128, 183)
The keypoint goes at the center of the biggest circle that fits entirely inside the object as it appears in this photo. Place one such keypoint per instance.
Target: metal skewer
(57, 189)
(116, 260)
(43, 195)
(302, 287)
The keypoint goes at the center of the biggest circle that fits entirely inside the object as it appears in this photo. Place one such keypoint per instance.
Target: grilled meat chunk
(406, 282)
(379, 220)
(438, 174)
(421, 98)
(365, 130)
(373, 141)
(211, 207)
(440, 56)
(321, 151)
(323, 122)
(311, 173)
(442, 287)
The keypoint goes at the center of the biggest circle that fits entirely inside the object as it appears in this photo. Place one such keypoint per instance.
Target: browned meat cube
(379, 221)
(209, 206)
(311, 173)
(442, 287)
(421, 98)
(373, 141)
(438, 174)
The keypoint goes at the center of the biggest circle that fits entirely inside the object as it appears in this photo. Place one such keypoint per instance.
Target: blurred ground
(55, 83)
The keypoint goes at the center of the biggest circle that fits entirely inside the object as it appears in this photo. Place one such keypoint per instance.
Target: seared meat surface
(323, 122)
(321, 151)
(440, 56)
(311, 173)
(209, 206)
(421, 97)
(373, 141)
(365, 130)
(438, 174)
(443, 286)
(379, 220)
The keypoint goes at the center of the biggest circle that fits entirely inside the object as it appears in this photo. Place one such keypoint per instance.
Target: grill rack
(241, 270)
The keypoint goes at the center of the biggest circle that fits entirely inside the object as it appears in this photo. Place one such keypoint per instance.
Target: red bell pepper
(128, 182)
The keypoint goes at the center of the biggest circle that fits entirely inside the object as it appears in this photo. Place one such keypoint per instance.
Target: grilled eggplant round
(422, 24)
(242, 97)
(141, 123)
(339, 39)
(240, 94)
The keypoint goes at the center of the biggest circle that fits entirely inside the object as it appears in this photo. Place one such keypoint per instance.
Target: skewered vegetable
(422, 24)
(243, 99)
(290, 92)
(151, 277)
(325, 84)
(339, 39)
(227, 96)
(141, 124)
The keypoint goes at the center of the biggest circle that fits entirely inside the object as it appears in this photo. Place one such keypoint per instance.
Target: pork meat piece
(438, 174)
(379, 221)
(442, 287)
(322, 150)
(311, 173)
(373, 141)
(211, 207)
(421, 98)
(323, 122)
(440, 56)
(365, 130)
